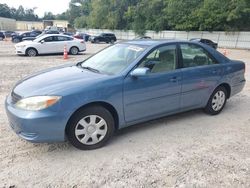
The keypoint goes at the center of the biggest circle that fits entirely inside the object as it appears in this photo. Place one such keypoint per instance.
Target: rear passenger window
(63, 38)
(193, 55)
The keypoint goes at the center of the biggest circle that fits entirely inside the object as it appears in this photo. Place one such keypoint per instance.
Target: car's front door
(156, 93)
(200, 73)
(47, 45)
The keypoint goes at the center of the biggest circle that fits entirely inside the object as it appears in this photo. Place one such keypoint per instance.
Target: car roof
(51, 35)
(108, 33)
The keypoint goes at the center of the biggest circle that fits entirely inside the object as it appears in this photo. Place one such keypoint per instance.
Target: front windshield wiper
(91, 69)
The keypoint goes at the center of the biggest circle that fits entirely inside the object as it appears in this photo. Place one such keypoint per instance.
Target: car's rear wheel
(16, 40)
(216, 101)
(31, 52)
(96, 41)
(74, 50)
(90, 128)
(112, 41)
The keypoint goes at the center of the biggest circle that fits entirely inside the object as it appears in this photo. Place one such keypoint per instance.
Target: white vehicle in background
(50, 44)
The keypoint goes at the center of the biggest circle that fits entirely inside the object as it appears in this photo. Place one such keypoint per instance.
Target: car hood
(57, 81)
(26, 42)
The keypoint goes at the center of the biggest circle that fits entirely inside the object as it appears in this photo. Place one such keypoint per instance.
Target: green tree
(49, 16)
(5, 11)
(182, 14)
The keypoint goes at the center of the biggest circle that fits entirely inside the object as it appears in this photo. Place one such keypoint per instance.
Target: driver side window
(48, 39)
(162, 59)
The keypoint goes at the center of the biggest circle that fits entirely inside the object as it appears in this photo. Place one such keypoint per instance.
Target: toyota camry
(122, 85)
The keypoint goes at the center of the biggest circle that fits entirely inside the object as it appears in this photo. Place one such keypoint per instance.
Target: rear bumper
(237, 88)
(82, 48)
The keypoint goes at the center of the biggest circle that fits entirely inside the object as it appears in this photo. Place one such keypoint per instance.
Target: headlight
(37, 102)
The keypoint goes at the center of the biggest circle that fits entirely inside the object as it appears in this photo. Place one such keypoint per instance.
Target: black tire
(31, 52)
(84, 113)
(209, 109)
(16, 40)
(112, 41)
(74, 50)
(96, 41)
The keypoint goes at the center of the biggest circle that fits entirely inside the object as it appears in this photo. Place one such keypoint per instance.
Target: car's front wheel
(31, 52)
(216, 101)
(90, 128)
(74, 50)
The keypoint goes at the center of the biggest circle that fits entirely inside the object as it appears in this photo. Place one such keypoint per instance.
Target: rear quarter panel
(234, 75)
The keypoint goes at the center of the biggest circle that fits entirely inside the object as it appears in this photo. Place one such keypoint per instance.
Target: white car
(50, 44)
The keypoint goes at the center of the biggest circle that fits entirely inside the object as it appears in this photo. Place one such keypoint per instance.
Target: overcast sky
(54, 6)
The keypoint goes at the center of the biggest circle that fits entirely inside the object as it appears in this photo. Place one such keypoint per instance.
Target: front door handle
(214, 71)
(174, 79)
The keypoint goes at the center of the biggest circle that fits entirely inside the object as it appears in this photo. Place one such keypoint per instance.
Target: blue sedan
(122, 85)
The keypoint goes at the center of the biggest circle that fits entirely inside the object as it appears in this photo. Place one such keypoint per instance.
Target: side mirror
(42, 41)
(140, 72)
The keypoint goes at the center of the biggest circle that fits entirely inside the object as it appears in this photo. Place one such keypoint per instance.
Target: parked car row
(103, 37)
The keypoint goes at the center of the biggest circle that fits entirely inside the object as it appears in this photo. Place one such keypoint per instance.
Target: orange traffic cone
(65, 53)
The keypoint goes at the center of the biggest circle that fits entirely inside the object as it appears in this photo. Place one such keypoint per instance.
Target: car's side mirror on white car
(42, 41)
(142, 71)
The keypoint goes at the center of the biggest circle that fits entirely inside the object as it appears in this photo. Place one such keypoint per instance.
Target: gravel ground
(191, 149)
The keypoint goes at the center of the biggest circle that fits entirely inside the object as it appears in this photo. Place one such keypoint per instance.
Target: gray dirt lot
(191, 149)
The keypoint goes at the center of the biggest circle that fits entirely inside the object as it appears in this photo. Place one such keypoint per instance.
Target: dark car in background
(84, 36)
(103, 37)
(206, 41)
(68, 33)
(9, 33)
(143, 37)
(2, 36)
(19, 38)
(42, 33)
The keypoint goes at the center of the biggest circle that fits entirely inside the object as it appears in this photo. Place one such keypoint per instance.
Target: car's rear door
(156, 93)
(61, 42)
(200, 74)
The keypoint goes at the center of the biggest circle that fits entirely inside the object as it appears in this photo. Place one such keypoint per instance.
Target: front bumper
(37, 126)
(20, 51)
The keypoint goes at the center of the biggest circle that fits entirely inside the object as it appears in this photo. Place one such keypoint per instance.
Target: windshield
(114, 59)
(38, 38)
